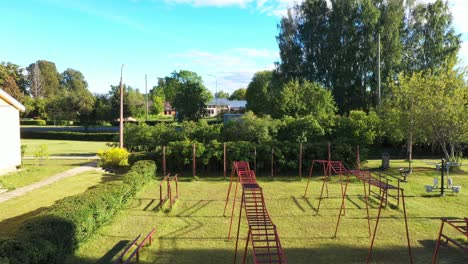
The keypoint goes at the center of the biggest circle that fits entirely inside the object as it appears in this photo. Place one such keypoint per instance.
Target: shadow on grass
(10, 225)
(113, 252)
(330, 253)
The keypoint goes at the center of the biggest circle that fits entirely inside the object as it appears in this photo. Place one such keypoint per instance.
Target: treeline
(335, 43)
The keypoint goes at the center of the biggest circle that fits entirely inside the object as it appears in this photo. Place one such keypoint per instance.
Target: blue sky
(223, 40)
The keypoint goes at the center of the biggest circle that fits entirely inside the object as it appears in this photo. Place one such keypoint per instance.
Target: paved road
(62, 175)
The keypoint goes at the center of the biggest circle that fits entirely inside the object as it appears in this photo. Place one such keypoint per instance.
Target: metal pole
(146, 95)
(224, 151)
(378, 68)
(272, 158)
(164, 160)
(442, 181)
(193, 160)
(300, 161)
(121, 132)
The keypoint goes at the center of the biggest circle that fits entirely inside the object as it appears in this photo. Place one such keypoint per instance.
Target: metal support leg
(308, 180)
(238, 228)
(246, 245)
(367, 207)
(342, 206)
(375, 229)
(228, 192)
(232, 211)
(406, 225)
(321, 192)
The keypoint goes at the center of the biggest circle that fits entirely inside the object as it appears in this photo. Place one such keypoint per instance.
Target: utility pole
(121, 109)
(378, 68)
(146, 94)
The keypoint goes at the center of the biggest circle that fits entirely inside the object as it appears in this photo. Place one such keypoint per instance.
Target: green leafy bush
(70, 135)
(34, 122)
(113, 157)
(58, 230)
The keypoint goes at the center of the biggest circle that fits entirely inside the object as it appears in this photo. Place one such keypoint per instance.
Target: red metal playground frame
(266, 245)
(368, 180)
(461, 225)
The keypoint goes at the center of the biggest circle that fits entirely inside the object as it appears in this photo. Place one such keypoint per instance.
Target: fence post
(272, 159)
(164, 161)
(300, 161)
(224, 151)
(193, 160)
(255, 159)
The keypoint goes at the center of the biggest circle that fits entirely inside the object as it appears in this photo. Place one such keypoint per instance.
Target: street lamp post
(216, 91)
(121, 109)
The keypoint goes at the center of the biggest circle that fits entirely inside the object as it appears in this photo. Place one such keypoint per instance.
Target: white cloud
(270, 7)
(232, 69)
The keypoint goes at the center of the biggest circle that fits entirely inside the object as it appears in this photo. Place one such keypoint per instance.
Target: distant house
(223, 105)
(168, 110)
(10, 151)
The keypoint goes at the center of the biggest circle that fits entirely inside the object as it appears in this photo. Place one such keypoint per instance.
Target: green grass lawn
(64, 147)
(195, 231)
(17, 210)
(33, 171)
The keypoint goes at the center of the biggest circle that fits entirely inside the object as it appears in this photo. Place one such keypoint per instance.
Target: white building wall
(10, 144)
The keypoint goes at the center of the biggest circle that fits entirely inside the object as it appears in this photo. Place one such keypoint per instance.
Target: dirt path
(62, 175)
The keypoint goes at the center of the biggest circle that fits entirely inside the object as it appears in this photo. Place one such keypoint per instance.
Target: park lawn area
(64, 147)
(33, 171)
(17, 210)
(195, 231)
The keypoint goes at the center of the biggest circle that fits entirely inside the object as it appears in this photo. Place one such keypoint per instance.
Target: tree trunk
(444, 149)
(410, 146)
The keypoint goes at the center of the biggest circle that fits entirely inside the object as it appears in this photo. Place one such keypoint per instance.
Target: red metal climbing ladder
(262, 232)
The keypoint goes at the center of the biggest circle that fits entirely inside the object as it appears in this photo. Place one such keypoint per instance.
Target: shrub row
(57, 231)
(70, 135)
(209, 156)
(60, 123)
(34, 122)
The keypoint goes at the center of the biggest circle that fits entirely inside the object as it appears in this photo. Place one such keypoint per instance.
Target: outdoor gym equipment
(443, 166)
(136, 253)
(262, 232)
(459, 225)
(367, 178)
(328, 166)
(170, 182)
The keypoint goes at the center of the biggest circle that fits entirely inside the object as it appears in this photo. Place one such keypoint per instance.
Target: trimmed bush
(34, 122)
(70, 135)
(57, 231)
(60, 123)
(113, 157)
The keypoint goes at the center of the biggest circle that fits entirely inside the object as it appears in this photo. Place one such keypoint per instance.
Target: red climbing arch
(262, 232)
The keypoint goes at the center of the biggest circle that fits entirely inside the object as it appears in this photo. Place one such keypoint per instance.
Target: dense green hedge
(60, 123)
(70, 135)
(58, 230)
(35, 122)
(209, 156)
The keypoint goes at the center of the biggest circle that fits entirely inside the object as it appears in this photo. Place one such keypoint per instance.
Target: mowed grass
(17, 210)
(33, 171)
(195, 231)
(64, 147)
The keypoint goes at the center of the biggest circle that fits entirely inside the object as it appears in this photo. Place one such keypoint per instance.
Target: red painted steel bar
(136, 252)
(134, 243)
(459, 225)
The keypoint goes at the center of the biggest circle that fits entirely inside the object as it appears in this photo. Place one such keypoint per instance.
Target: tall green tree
(335, 43)
(221, 94)
(238, 94)
(44, 79)
(173, 83)
(12, 80)
(190, 101)
(259, 93)
(429, 38)
(301, 99)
